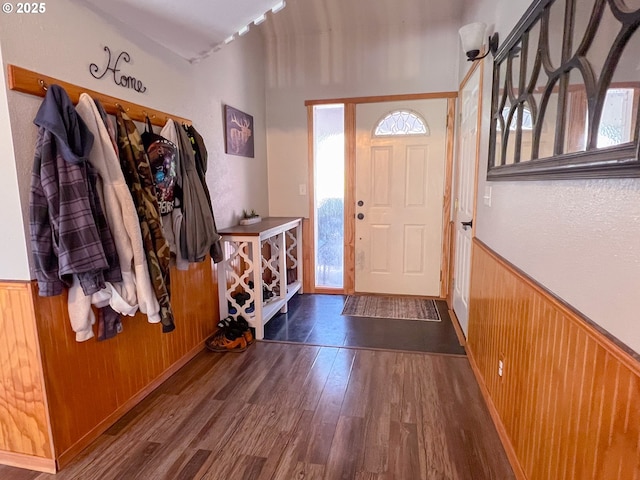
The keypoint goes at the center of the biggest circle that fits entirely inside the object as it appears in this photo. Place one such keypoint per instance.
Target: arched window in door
(401, 122)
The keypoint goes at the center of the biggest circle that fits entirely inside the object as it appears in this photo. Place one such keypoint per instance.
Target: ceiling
(318, 16)
(194, 29)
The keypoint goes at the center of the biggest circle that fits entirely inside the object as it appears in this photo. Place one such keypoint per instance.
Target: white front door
(399, 199)
(465, 195)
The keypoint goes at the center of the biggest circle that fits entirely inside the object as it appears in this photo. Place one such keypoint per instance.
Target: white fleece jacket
(136, 289)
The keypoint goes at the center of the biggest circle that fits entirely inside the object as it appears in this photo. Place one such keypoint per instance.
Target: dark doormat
(404, 308)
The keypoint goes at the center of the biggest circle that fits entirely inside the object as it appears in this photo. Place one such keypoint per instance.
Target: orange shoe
(248, 336)
(218, 342)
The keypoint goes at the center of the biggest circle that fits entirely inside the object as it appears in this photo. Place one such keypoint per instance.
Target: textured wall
(63, 42)
(578, 238)
(13, 254)
(344, 63)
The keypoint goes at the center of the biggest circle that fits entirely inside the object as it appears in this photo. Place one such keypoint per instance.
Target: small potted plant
(250, 217)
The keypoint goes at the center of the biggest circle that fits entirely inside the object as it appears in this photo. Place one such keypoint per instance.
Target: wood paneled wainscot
(25, 434)
(568, 403)
(57, 395)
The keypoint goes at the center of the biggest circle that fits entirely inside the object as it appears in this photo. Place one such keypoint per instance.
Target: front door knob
(360, 216)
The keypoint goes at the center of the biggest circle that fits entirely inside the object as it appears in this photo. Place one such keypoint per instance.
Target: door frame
(475, 66)
(350, 104)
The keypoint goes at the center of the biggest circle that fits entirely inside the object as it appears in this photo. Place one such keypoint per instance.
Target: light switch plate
(302, 189)
(487, 196)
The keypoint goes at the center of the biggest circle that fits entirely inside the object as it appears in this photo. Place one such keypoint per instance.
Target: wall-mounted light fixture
(472, 36)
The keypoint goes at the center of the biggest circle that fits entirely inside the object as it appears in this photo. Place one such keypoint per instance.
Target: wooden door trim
(445, 261)
(309, 247)
(328, 291)
(350, 104)
(383, 98)
(350, 199)
(478, 141)
(308, 273)
(467, 77)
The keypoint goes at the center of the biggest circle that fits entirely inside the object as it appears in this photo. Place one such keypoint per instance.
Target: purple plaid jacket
(69, 233)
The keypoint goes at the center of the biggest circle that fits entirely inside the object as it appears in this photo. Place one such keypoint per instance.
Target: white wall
(63, 42)
(340, 64)
(577, 238)
(14, 264)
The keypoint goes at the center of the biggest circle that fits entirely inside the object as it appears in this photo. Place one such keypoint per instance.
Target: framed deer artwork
(238, 132)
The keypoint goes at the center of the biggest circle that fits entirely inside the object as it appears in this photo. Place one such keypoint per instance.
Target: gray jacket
(69, 232)
(197, 232)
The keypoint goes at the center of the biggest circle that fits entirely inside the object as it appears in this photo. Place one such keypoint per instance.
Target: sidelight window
(328, 154)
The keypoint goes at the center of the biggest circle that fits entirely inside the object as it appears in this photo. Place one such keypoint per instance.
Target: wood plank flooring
(285, 411)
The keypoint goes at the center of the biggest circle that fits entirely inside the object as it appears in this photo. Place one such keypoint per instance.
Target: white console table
(261, 260)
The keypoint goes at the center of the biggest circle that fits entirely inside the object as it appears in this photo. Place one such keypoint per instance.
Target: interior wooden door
(400, 174)
(465, 196)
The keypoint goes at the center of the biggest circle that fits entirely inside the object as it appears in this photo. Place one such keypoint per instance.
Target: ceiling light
(279, 6)
(244, 30)
(260, 19)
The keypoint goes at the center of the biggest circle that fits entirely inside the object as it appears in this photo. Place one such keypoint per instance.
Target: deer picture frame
(238, 128)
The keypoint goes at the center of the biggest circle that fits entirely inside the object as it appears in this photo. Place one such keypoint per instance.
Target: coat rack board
(26, 81)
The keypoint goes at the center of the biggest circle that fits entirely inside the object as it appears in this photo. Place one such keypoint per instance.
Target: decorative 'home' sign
(119, 79)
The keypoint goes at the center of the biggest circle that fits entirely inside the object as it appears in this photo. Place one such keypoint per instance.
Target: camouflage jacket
(137, 173)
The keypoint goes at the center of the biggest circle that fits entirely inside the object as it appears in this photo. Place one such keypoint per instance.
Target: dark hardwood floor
(316, 320)
(285, 411)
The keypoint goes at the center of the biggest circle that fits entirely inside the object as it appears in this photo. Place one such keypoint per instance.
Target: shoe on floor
(220, 342)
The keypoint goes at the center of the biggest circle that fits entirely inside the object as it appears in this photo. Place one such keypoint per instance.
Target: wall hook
(43, 84)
